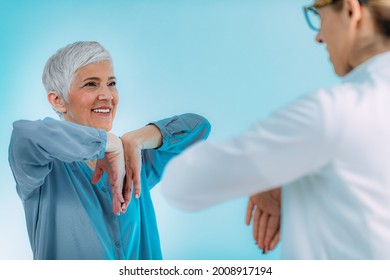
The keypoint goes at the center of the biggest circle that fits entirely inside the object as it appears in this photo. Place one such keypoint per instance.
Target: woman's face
(93, 96)
(335, 34)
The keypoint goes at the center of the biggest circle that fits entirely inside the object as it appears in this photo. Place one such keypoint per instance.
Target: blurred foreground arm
(290, 144)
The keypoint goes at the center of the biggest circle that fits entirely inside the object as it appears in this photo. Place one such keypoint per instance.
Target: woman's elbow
(203, 125)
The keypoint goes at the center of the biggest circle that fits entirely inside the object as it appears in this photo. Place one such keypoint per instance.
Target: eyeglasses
(311, 14)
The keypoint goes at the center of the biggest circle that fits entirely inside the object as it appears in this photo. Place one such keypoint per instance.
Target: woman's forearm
(148, 137)
(113, 143)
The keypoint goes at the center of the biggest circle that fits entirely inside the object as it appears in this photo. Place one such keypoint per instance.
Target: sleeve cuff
(166, 130)
(102, 135)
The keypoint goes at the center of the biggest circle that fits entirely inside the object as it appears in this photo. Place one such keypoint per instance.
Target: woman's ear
(57, 102)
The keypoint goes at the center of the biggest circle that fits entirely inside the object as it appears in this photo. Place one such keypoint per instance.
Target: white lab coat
(331, 152)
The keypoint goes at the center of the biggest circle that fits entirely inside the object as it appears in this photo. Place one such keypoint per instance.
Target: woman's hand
(266, 220)
(148, 137)
(114, 165)
(133, 162)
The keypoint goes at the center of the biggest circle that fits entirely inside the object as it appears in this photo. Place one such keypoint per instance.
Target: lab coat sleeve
(35, 144)
(178, 133)
(292, 142)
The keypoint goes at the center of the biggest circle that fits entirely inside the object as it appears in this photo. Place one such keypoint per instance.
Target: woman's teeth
(101, 110)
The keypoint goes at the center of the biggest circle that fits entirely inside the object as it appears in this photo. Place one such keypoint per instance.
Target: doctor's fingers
(249, 211)
(273, 227)
(262, 228)
(275, 240)
(255, 226)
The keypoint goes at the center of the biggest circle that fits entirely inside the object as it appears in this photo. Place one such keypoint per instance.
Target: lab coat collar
(379, 62)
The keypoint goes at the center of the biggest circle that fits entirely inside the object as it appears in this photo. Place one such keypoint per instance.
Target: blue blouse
(70, 218)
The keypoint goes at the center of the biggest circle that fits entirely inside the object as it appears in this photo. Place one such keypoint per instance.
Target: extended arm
(291, 143)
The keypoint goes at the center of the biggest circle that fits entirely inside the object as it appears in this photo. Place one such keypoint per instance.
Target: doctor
(330, 150)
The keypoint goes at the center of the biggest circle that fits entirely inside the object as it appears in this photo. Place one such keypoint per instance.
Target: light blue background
(232, 61)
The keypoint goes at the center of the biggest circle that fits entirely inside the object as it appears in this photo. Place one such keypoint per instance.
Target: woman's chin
(104, 126)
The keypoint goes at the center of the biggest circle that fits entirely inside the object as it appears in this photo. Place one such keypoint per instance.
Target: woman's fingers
(132, 182)
(136, 176)
(98, 173)
(133, 168)
(127, 190)
(117, 199)
(116, 191)
(116, 170)
(127, 187)
(137, 184)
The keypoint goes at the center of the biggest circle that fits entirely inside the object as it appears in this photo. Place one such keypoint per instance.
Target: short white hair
(61, 67)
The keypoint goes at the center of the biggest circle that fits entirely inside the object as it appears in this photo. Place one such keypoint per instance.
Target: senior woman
(330, 150)
(72, 207)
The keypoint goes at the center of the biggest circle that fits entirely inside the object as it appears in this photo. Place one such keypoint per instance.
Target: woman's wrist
(148, 137)
(113, 143)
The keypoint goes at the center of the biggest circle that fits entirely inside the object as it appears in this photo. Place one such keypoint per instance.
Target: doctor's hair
(380, 9)
(60, 69)
(381, 12)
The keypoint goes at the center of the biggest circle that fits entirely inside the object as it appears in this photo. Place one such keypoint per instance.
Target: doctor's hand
(114, 165)
(266, 218)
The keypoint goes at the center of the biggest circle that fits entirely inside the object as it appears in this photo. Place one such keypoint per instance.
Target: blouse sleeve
(178, 133)
(35, 144)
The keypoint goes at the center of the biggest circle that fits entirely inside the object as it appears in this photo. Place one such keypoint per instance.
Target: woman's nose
(105, 93)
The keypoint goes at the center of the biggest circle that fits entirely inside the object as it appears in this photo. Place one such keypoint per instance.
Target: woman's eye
(112, 84)
(90, 84)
